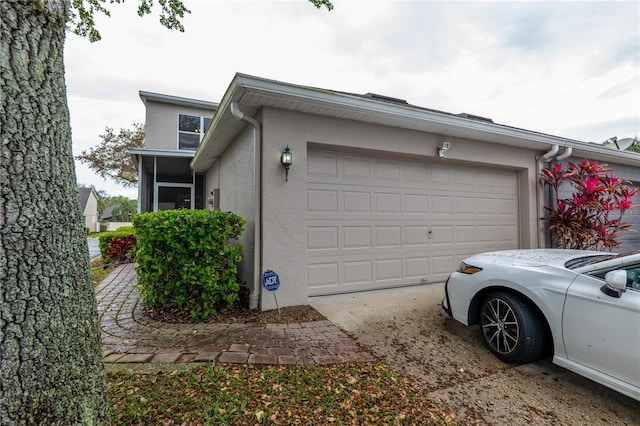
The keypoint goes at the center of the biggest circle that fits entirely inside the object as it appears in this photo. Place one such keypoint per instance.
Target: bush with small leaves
(187, 258)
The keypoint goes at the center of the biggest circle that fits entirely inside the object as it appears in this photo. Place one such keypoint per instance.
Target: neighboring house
(174, 127)
(112, 220)
(381, 193)
(107, 214)
(89, 206)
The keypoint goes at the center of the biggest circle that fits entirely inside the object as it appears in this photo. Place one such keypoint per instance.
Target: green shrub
(104, 242)
(127, 229)
(186, 258)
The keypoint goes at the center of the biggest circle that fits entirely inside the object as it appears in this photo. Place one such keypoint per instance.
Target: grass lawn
(99, 271)
(344, 394)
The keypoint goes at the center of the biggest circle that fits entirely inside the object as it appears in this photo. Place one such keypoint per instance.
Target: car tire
(512, 330)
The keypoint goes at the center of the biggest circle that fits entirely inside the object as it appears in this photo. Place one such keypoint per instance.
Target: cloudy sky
(570, 69)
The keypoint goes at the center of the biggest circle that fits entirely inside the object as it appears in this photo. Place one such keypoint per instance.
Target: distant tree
(591, 218)
(110, 159)
(636, 145)
(123, 208)
(103, 199)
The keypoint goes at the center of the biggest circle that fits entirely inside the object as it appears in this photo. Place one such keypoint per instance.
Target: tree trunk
(51, 368)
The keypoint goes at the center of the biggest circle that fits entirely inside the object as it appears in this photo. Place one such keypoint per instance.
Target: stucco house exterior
(89, 206)
(173, 129)
(380, 194)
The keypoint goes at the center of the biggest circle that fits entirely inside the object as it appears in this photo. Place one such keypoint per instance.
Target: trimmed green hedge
(186, 258)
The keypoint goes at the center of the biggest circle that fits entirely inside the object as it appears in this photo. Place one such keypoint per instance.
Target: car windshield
(590, 260)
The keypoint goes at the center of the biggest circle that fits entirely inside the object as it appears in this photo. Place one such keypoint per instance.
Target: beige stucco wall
(91, 214)
(284, 204)
(236, 182)
(161, 125)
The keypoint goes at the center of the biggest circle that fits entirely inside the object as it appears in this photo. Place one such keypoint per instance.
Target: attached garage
(379, 223)
(370, 200)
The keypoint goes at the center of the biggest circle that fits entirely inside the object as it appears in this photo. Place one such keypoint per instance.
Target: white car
(581, 306)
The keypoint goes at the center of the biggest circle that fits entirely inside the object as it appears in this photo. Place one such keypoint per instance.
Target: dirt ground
(408, 330)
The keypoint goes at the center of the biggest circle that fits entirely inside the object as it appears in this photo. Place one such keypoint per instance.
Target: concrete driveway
(407, 329)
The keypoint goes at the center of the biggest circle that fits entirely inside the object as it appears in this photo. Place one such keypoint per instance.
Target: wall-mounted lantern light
(442, 151)
(286, 159)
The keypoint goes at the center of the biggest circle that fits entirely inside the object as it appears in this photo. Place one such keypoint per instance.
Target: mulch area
(239, 315)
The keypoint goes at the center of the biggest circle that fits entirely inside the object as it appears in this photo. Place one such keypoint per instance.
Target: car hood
(531, 258)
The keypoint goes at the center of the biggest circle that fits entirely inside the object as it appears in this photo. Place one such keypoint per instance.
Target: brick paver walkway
(128, 336)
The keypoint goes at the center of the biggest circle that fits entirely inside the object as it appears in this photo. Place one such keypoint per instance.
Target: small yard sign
(270, 280)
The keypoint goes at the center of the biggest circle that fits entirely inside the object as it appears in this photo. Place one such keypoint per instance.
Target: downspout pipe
(254, 292)
(540, 198)
(549, 155)
(566, 154)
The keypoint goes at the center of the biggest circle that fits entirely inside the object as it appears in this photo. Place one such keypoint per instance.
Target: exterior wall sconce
(286, 159)
(442, 151)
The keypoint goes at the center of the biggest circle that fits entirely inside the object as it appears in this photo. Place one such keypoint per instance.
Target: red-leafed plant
(121, 248)
(591, 218)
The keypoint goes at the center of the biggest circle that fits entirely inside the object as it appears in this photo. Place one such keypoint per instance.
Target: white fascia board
(135, 152)
(176, 100)
(224, 127)
(162, 152)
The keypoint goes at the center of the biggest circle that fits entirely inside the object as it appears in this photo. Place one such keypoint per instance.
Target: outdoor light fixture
(286, 159)
(442, 151)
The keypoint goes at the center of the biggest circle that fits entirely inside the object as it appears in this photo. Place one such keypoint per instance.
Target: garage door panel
(416, 203)
(388, 236)
(322, 165)
(356, 237)
(357, 272)
(416, 235)
(417, 267)
(323, 275)
(441, 204)
(356, 202)
(322, 237)
(388, 269)
(356, 168)
(387, 203)
(377, 223)
(322, 201)
(387, 171)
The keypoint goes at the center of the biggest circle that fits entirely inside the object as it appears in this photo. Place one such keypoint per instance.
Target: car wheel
(512, 330)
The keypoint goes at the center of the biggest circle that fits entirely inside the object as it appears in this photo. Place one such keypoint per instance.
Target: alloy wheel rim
(500, 326)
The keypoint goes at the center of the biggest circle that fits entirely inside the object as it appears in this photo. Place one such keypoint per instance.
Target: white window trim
(202, 118)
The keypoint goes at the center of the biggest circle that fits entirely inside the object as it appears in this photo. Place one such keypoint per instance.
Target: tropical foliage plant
(592, 216)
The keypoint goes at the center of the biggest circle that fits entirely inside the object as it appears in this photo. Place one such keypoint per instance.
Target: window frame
(200, 134)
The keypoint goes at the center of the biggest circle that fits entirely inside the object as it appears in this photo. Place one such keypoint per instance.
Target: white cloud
(566, 68)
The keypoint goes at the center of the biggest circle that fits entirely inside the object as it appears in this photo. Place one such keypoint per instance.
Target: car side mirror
(616, 283)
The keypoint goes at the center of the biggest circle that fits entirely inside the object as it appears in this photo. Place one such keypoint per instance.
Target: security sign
(270, 280)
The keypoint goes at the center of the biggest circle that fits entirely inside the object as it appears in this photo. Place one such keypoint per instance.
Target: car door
(602, 332)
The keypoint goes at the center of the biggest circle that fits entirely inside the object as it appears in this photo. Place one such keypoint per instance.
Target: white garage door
(377, 223)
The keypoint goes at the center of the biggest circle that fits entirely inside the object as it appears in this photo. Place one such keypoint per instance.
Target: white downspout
(566, 154)
(549, 155)
(254, 295)
(545, 158)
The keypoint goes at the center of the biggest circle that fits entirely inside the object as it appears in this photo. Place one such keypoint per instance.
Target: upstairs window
(190, 131)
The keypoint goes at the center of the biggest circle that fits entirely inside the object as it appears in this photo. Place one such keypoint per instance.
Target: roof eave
(224, 127)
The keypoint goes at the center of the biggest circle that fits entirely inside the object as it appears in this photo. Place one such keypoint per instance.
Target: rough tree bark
(51, 368)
